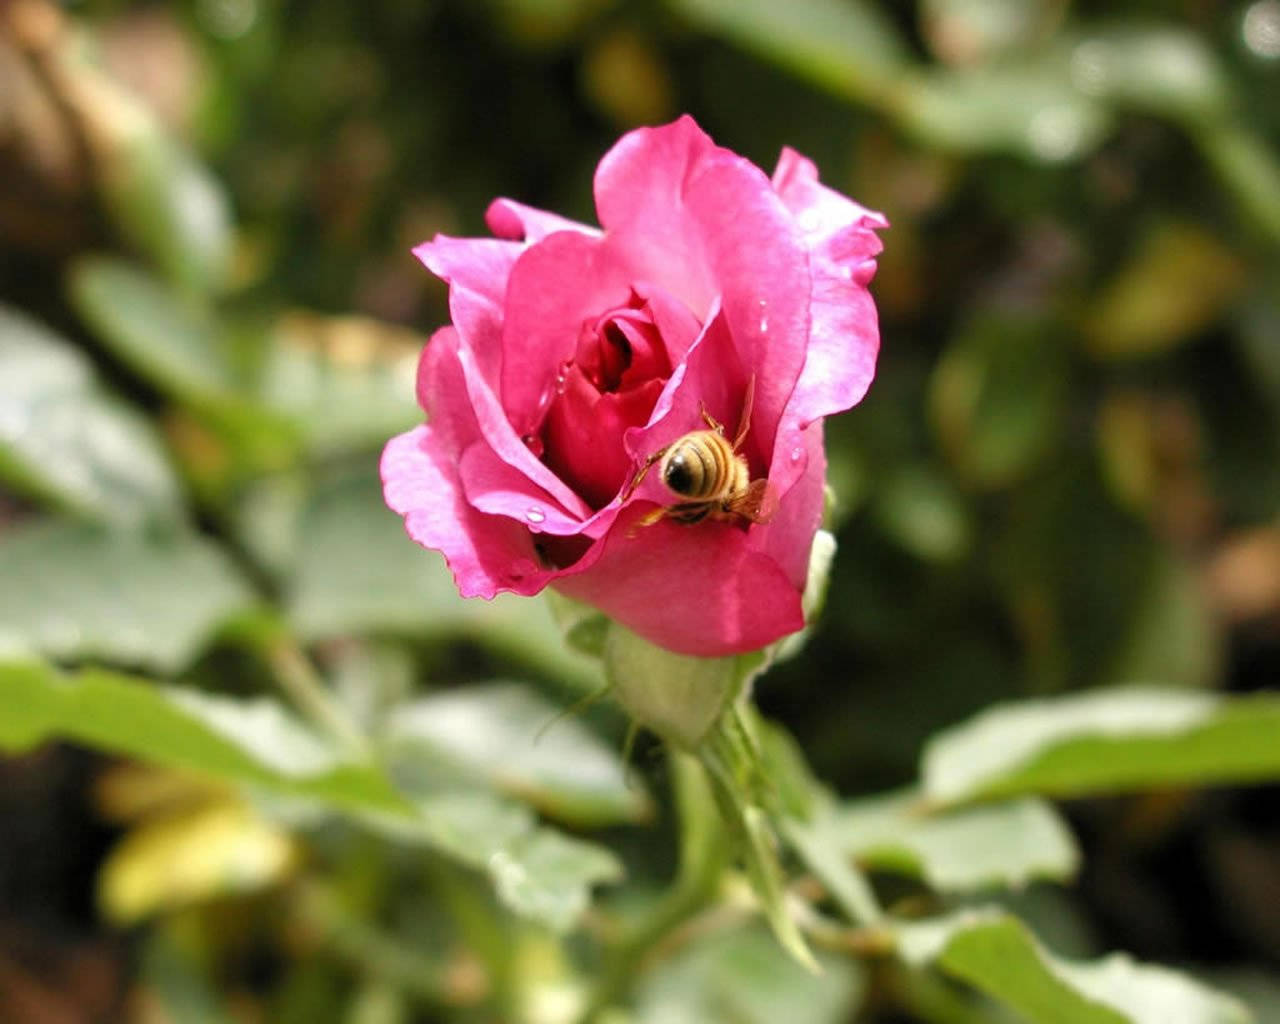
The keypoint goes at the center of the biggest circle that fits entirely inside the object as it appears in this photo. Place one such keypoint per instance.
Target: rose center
(619, 366)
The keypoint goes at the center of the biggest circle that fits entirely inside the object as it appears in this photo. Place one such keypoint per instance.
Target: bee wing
(757, 503)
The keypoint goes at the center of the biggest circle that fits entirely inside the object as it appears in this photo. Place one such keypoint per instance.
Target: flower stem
(300, 680)
(703, 855)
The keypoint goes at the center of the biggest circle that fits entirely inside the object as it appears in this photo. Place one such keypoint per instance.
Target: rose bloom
(576, 354)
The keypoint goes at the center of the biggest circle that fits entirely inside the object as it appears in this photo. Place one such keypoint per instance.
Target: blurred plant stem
(704, 853)
(383, 957)
(299, 679)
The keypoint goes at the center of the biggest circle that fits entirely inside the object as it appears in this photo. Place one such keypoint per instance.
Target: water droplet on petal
(764, 324)
(535, 514)
(534, 443)
(796, 454)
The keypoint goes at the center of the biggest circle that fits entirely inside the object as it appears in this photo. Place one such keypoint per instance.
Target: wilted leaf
(1106, 741)
(207, 851)
(1006, 844)
(76, 591)
(64, 437)
(995, 953)
(1177, 282)
(503, 734)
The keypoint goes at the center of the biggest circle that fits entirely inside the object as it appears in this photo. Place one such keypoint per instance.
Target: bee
(707, 472)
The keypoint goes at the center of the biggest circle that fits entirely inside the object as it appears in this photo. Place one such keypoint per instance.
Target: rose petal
(639, 191)
(787, 537)
(462, 409)
(508, 219)
(558, 284)
(477, 270)
(845, 335)
(584, 435)
(486, 554)
(699, 590)
(494, 487)
(705, 223)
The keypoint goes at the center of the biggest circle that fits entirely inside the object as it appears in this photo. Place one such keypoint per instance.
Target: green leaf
(252, 742)
(347, 381)
(77, 591)
(357, 572)
(998, 397)
(496, 733)
(547, 876)
(846, 46)
(995, 953)
(163, 338)
(1029, 108)
(1103, 742)
(168, 205)
(538, 873)
(65, 438)
(1007, 844)
(678, 696)
(1156, 68)
(924, 513)
(737, 976)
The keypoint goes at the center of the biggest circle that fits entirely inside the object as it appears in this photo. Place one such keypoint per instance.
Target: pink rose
(576, 354)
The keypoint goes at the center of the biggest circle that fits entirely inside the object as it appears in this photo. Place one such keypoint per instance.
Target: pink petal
(704, 223)
(462, 408)
(508, 219)
(556, 285)
(486, 554)
(840, 235)
(699, 590)
(639, 188)
(494, 487)
(477, 270)
(787, 538)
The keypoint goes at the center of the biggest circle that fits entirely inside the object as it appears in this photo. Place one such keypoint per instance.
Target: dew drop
(535, 514)
(764, 324)
(796, 454)
(534, 443)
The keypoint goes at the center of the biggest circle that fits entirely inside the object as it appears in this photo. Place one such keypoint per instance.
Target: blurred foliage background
(1066, 476)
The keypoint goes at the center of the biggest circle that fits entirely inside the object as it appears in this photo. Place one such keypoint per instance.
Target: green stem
(300, 680)
(384, 957)
(703, 855)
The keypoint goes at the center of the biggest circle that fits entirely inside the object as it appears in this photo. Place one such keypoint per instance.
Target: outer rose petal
(845, 338)
(461, 405)
(701, 591)
(486, 554)
(508, 219)
(707, 224)
(477, 270)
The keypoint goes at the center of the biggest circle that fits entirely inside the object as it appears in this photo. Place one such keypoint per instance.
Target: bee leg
(710, 420)
(744, 424)
(648, 520)
(644, 469)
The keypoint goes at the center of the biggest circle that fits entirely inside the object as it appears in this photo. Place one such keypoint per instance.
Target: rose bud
(633, 414)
